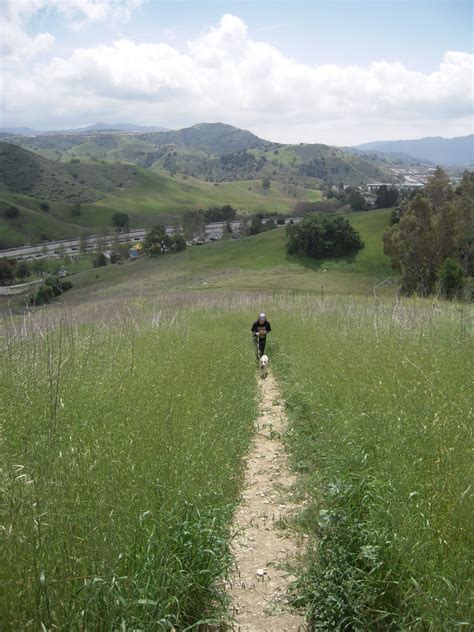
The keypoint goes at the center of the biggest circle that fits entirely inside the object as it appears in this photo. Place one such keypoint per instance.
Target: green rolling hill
(258, 263)
(24, 172)
(84, 195)
(86, 177)
(214, 151)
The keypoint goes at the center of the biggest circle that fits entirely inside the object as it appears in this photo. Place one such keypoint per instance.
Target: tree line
(431, 243)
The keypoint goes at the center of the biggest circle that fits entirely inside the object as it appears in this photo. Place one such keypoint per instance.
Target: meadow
(381, 432)
(126, 426)
(121, 465)
(256, 264)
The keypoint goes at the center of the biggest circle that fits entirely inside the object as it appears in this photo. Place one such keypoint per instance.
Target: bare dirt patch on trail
(262, 550)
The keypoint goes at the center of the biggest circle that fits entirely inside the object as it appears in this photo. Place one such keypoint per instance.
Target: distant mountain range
(14, 131)
(221, 139)
(213, 152)
(456, 151)
(96, 127)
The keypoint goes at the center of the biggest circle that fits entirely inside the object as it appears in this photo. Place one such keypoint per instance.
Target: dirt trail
(261, 548)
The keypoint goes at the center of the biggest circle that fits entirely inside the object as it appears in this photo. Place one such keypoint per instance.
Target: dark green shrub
(53, 286)
(451, 279)
(7, 270)
(99, 260)
(321, 236)
(11, 212)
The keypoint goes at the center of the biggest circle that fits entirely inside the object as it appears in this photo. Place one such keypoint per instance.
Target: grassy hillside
(257, 263)
(101, 189)
(158, 193)
(216, 152)
(129, 425)
(24, 172)
(214, 138)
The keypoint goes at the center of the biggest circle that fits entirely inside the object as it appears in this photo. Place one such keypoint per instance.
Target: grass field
(125, 425)
(159, 193)
(121, 463)
(258, 263)
(382, 434)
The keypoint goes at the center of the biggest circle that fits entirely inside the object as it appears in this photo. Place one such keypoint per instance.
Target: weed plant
(122, 446)
(381, 427)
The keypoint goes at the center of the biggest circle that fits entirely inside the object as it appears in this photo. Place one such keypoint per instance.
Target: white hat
(262, 317)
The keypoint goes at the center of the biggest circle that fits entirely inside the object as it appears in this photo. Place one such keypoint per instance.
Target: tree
(438, 189)
(99, 260)
(270, 224)
(244, 226)
(451, 279)
(7, 270)
(100, 244)
(386, 197)
(357, 200)
(52, 286)
(83, 243)
(193, 223)
(123, 251)
(321, 206)
(395, 216)
(178, 243)
(227, 232)
(266, 184)
(121, 220)
(38, 266)
(154, 242)
(76, 209)
(436, 225)
(11, 212)
(23, 270)
(44, 206)
(323, 236)
(411, 244)
(256, 226)
(463, 201)
(223, 214)
(157, 242)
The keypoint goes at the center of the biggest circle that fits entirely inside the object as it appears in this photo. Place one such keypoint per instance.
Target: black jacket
(265, 328)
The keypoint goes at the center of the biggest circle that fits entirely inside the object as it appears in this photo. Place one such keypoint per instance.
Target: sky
(340, 72)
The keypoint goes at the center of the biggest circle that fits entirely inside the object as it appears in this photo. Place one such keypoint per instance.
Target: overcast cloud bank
(222, 75)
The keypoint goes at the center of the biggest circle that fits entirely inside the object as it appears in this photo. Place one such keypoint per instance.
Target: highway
(71, 246)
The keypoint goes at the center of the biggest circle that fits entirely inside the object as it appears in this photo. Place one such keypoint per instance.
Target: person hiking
(260, 329)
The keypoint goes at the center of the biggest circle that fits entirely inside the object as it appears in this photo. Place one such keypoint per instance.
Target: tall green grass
(381, 427)
(122, 445)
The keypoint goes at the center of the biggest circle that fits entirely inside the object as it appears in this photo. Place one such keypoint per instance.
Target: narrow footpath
(261, 548)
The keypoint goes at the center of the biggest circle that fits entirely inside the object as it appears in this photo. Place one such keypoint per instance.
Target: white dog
(263, 366)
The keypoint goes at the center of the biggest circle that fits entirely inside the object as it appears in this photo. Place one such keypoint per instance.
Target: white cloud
(15, 43)
(17, 46)
(224, 75)
(76, 11)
